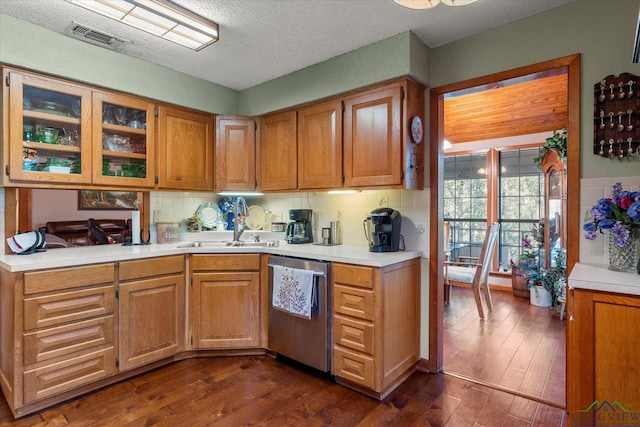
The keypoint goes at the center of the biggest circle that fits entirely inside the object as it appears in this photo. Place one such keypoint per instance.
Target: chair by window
(474, 271)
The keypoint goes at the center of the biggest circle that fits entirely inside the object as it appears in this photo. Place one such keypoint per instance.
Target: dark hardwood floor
(519, 346)
(261, 391)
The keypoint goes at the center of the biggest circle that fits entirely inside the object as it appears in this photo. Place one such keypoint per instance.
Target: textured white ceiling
(264, 39)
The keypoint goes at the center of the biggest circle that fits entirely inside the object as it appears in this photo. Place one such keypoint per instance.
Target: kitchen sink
(231, 244)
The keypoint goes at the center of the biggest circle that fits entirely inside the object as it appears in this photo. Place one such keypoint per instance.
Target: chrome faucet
(237, 230)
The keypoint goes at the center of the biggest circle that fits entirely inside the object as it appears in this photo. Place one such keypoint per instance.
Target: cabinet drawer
(354, 275)
(67, 278)
(59, 377)
(353, 302)
(353, 366)
(51, 310)
(353, 334)
(239, 262)
(65, 340)
(151, 267)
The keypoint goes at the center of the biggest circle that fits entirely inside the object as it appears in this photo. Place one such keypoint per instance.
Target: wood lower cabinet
(236, 153)
(226, 301)
(603, 364)
(152, 310)
(58, 332)
(376, 325)
(185, 149)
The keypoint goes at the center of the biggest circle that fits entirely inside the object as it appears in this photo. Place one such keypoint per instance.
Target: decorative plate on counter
(209, 214)
(255, 218)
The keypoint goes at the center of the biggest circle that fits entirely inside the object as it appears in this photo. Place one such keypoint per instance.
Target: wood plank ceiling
(534, 106)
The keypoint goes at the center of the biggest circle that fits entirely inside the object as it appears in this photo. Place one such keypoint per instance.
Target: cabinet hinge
(343, 179)
(117, 293)
(401, 93)
(255, 126)
(6, 170)
(192, 340)
(191, 281)
(117, 362)
(156, 180)
(342, 102)
(155, 112)
(6, 81)
(401, 174)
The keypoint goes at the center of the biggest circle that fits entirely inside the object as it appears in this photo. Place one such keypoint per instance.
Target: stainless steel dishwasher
(304, 340)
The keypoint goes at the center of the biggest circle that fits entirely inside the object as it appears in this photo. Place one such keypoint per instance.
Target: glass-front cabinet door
(49, 130)
(123, 149)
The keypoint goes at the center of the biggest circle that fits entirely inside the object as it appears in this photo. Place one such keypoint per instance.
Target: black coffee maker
(382, 229)
(299, 229)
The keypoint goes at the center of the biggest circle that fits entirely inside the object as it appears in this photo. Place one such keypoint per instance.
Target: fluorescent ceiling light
(161, 18)
(428, 4)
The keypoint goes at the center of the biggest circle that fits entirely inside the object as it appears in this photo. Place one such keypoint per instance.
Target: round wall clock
(416, 129)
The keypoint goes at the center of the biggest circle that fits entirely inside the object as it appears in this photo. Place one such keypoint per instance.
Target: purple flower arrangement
(620, 214)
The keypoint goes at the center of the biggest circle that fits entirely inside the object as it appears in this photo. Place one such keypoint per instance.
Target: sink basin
(231, 244)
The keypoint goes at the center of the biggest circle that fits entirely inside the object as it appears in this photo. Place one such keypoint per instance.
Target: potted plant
(556, 142)
(528, 260)
(546, 284)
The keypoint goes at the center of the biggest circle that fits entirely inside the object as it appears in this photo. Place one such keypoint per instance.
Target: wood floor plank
(266, 392)
(518, 346)
(496, 408)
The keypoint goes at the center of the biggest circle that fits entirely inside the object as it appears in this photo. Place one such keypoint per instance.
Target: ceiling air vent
(100, 38)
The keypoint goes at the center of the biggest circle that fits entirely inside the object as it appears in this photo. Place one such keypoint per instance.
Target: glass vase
(625, 258)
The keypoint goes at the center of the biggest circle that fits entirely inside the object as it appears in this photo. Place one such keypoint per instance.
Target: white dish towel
(293, 290)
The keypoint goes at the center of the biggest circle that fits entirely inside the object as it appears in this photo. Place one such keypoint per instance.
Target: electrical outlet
(420, 229)
(156, 216)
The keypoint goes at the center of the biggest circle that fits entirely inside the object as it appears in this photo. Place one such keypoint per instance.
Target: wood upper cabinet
(236, 153)
(185, 149)
(47, 130)
(278, 152)
(124, 149)
(152, 310)
(376, 325)
(226, 301)
(602, 355)
(373, 138)
(320, 146)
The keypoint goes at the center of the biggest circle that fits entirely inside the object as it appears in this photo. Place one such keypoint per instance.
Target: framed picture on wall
(108, 200)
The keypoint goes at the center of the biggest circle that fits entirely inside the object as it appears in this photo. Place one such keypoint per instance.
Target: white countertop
(69, 257)
(598, 277)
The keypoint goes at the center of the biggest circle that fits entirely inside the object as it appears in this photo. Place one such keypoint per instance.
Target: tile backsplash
(349, 209)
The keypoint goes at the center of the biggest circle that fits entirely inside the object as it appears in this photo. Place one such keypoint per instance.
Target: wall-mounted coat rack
(616, 119)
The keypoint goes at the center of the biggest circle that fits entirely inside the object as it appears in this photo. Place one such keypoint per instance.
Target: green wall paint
(370, 64)
(601, 31)
(29, 46)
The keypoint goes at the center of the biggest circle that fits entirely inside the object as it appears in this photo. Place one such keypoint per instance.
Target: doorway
(436, 293)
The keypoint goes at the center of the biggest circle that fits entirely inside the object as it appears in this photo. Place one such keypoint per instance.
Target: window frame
(493, 189)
